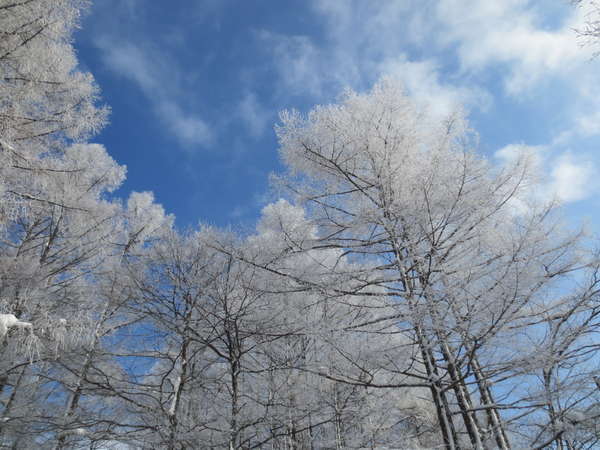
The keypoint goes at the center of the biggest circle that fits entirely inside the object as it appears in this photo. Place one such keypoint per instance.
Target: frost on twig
(73, 432)
(8, 321)
(30, 345)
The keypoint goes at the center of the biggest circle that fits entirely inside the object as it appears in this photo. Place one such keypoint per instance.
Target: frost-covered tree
(204, 326)
(560, 369)
(457, 246)
(46, 101)
(318, 363)
(62, 234)
(590, 32)
(44, 97)
(48, 186)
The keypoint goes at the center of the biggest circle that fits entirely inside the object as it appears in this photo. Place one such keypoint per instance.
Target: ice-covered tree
(590, 32)
(458, 246)
(63, 236)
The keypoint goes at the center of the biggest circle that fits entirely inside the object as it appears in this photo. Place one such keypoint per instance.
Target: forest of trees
(403, 293)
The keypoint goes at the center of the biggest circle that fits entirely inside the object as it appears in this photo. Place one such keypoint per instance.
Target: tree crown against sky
(193, 121)
(590, 31)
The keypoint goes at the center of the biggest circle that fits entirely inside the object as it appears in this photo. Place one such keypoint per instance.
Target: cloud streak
(362, 43)
(562, 176)
(510, 33)
(254, 115)
(148, 71)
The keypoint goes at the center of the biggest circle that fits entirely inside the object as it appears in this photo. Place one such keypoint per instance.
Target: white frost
(575, 416)
(73, 432)
(8, 321)
(171, 411)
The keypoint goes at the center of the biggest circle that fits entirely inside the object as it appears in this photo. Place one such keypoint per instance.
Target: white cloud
(511, 35)
(422, 81)
(589, 124)
(189, 129)
(159, 82)
(572, 178)
(584, 125)
(254, 115)
(533, 155)
(561, 176)
(509, 32)
(258, 201)
(364, 42)
(298, 61)
(127, 60)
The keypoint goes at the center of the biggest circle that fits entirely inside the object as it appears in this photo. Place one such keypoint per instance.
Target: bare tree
(456, 245)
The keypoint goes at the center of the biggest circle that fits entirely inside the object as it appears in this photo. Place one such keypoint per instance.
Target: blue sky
(195, 87)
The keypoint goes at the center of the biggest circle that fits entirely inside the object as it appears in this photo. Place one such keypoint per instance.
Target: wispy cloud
(362, 43)
(511, 33)
(573, 178)
(423, 82)
(298, 62)
(254, 115)
(158, 79)
(563, 176)
(258, 201)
